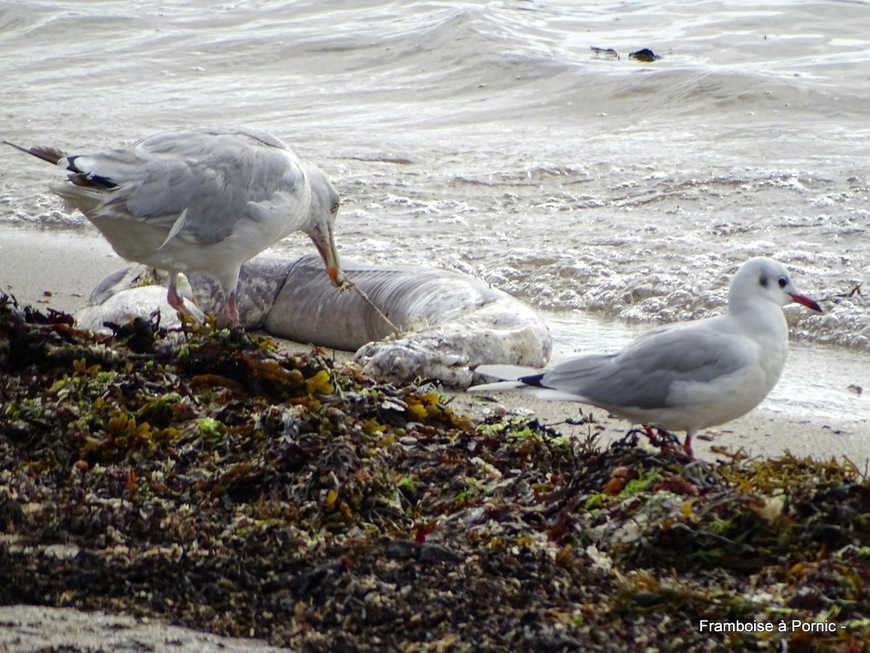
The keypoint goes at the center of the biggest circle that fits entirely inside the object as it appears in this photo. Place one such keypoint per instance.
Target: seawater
(490, 137)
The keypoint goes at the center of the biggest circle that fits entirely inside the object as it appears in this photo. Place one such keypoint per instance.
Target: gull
(200, 200)
(682, 377)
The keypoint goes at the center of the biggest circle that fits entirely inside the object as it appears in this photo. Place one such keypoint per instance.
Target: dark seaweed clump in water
(200, 477)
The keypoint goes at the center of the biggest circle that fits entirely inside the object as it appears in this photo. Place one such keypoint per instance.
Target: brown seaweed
(202, 477)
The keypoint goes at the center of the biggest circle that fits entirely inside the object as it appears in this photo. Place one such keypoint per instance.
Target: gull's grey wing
(643, 374)
(218, 177)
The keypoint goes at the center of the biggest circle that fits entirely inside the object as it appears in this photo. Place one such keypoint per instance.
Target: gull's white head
(325, 202)
(765, 280)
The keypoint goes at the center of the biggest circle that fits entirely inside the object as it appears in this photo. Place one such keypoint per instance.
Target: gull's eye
(334, 207)
(783, 282)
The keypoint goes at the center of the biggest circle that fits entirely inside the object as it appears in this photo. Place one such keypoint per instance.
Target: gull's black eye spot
(763, 281)
(783, 282)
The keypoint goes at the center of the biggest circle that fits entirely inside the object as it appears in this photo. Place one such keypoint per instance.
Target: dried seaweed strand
(362, 293)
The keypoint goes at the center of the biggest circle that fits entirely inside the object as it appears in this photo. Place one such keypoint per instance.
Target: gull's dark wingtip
(50, 154)
(533, 379)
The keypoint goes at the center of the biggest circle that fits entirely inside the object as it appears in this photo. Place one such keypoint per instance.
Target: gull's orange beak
(325, 244)
(806, 301)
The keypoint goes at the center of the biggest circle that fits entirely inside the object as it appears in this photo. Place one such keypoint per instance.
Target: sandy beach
(54, 268)
(58, 268)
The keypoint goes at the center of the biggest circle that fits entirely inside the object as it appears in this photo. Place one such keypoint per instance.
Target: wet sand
(54, 268)
(58, 268)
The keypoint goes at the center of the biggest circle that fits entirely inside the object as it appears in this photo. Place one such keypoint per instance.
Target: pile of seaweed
(201, 477)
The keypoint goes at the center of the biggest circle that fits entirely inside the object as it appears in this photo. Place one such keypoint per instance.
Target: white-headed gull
(683, 377)
(201, 200)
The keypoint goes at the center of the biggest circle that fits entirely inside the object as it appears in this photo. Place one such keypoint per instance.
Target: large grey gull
(203, 200)
(683, 377)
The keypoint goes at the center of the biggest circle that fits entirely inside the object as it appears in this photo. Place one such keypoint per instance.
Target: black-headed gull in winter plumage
(683, 377)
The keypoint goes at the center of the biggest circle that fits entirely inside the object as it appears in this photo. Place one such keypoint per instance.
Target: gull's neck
(762, 320)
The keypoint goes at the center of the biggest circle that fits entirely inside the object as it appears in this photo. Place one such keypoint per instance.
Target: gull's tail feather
(517, 377)
(498, 386)
(506, 372)
(510, 376)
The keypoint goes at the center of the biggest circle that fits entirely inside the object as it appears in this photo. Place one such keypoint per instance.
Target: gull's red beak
(806, 301)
